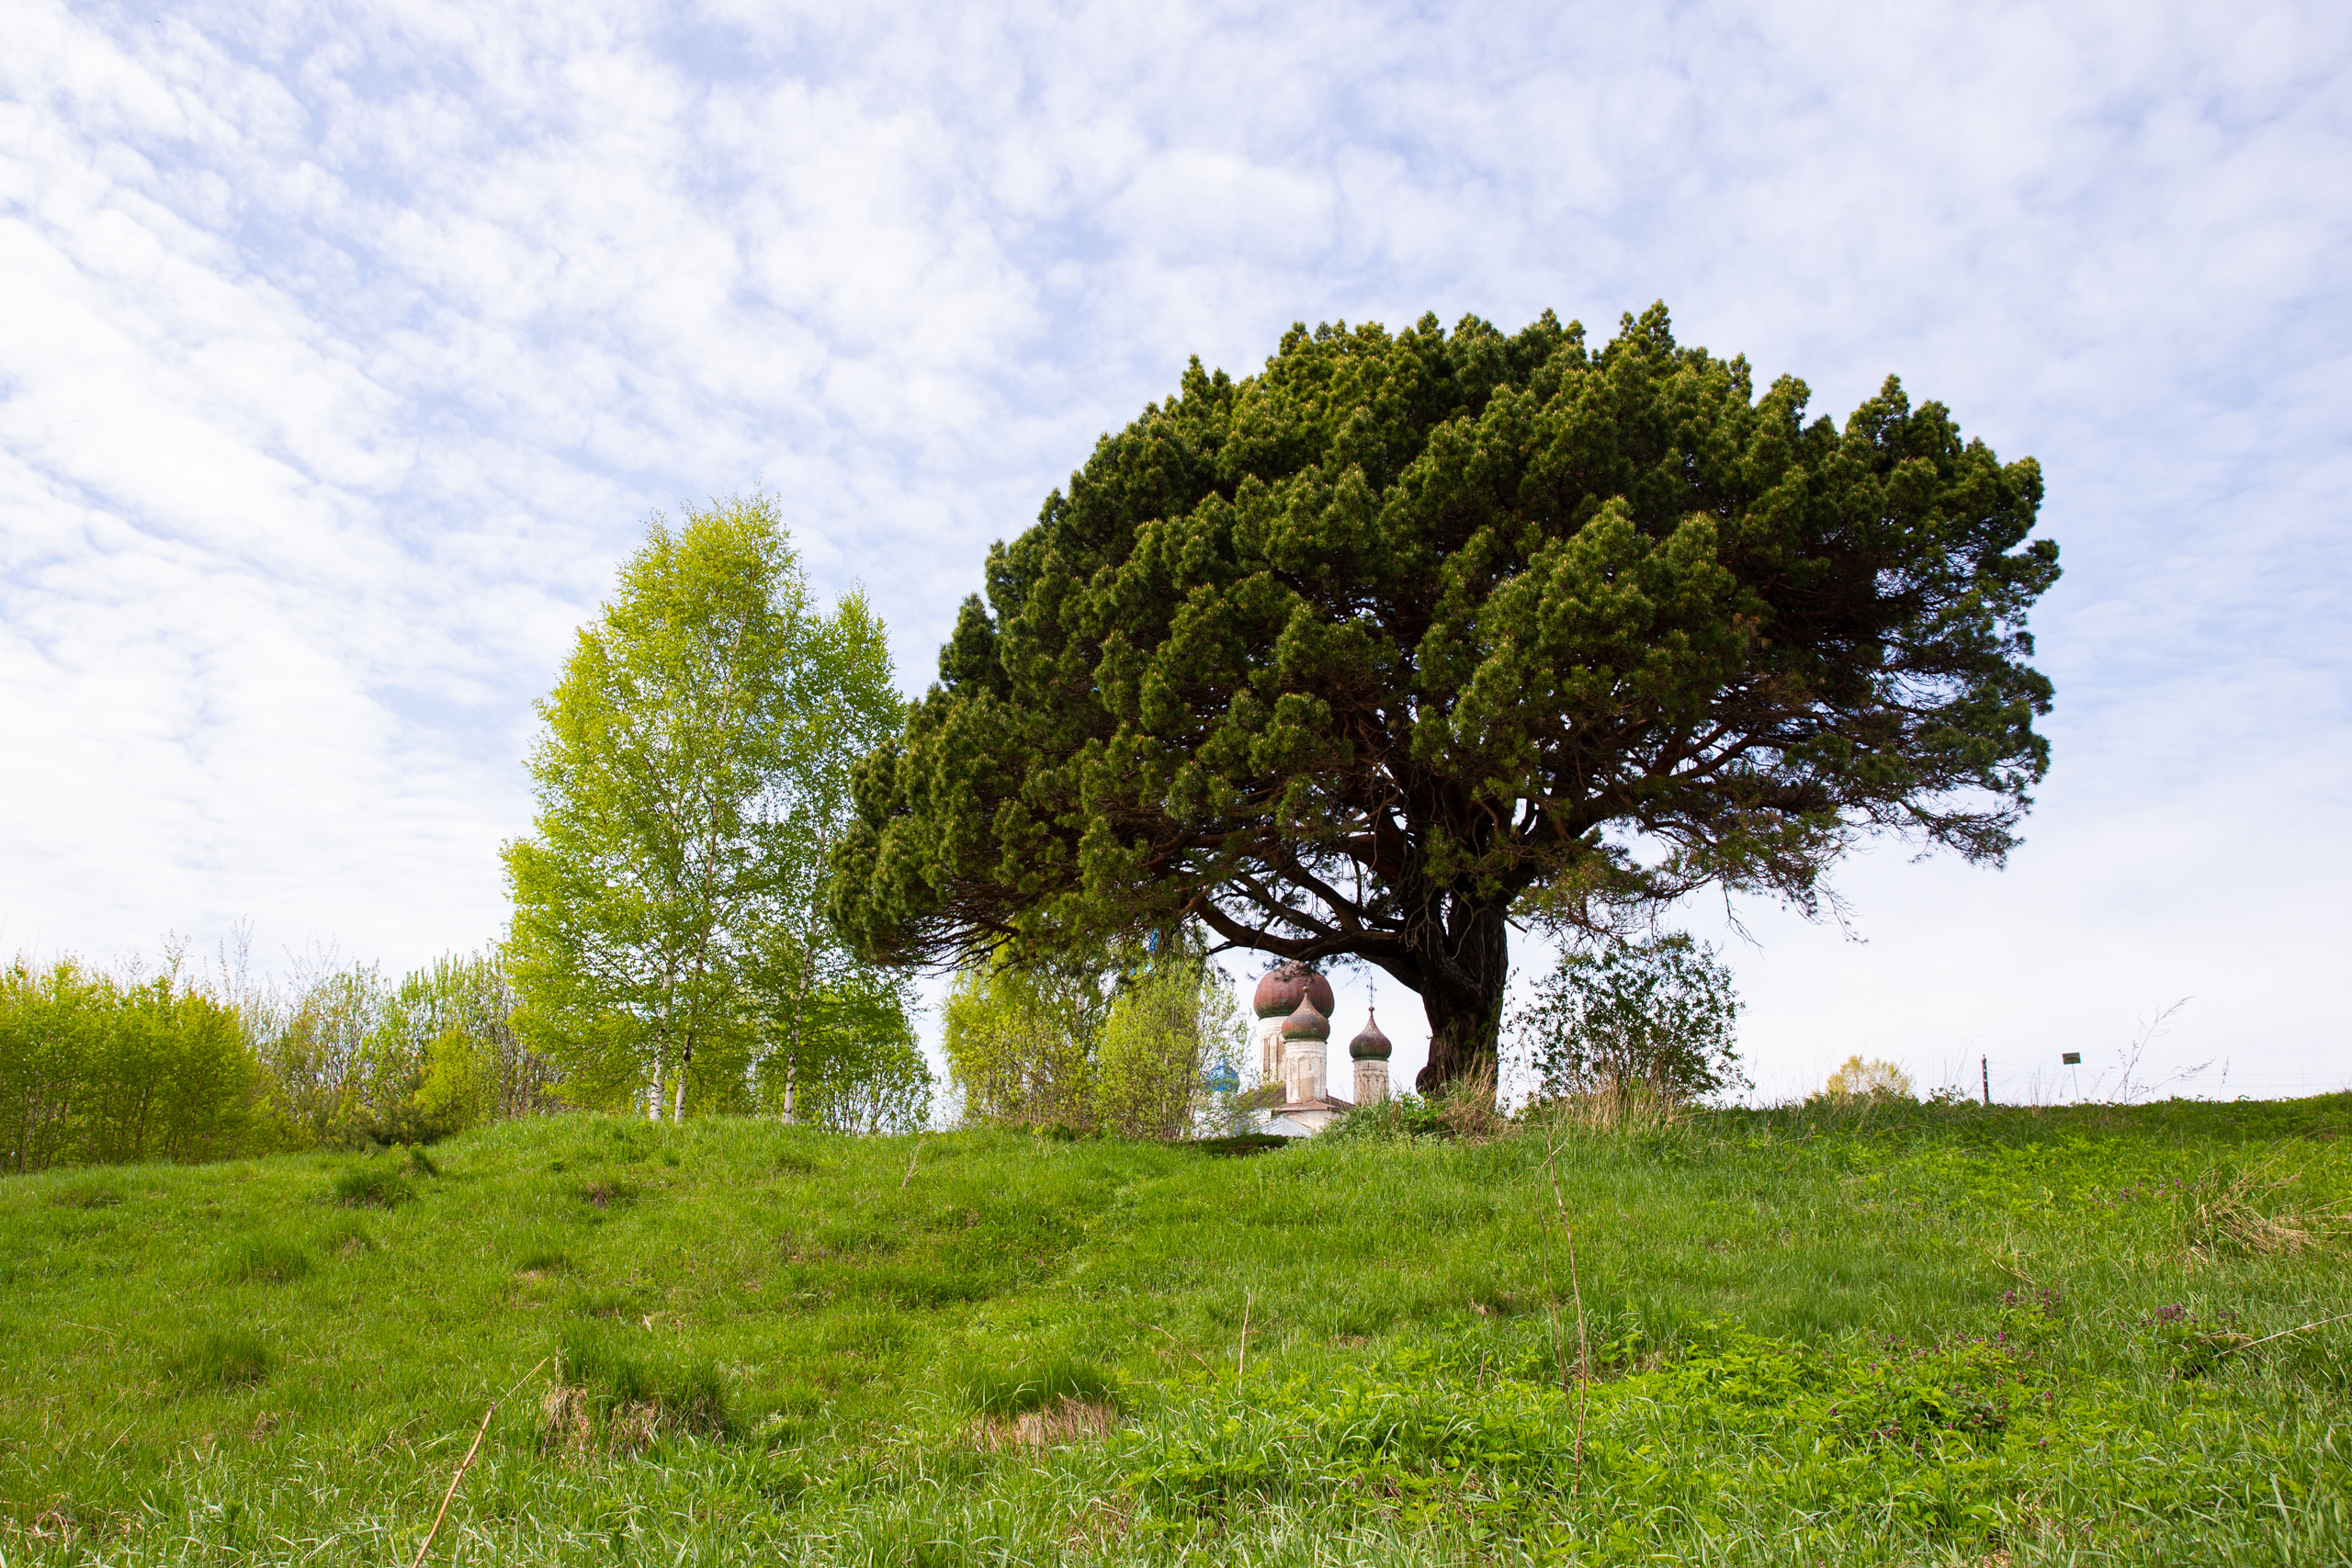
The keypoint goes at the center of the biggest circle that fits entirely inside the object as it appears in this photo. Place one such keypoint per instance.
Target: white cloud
(346, 349)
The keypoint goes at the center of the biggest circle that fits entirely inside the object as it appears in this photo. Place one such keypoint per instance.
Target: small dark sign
(2072, 1058)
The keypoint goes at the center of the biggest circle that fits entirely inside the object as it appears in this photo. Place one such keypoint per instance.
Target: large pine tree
(1412, 635)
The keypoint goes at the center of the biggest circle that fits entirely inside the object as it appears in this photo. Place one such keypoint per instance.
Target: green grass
(1934, 1337)
(264, 1260)
(372, 1187)
(218, 1358)
(1013, 1391)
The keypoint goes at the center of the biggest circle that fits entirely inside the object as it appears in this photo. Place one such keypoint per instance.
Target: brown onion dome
(1369, 1044)
(1306, 1023)
(1283, 987)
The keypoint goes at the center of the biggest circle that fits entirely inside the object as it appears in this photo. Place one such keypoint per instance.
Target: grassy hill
(1945, 1335)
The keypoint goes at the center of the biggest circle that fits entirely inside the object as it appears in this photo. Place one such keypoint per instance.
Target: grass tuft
(372, 1187)
(607, 1304)
(263, 1260)
(1239, 1145)
(347, 1238)
(219, 1358)
(604, 1192)
(609, 1387)
(1005, 1392)
(2245, 1216)
(542, 1259)
(86, 1195)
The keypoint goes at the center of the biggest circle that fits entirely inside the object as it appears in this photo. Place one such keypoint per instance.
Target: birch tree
(665, 936)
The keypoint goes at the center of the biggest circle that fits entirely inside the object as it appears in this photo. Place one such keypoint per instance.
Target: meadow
(1902, 1335)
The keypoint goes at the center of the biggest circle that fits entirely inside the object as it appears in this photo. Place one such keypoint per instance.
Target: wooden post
(1984, 1072)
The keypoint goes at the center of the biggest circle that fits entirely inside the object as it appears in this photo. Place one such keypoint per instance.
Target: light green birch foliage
(1120, 1054)
(664, 941)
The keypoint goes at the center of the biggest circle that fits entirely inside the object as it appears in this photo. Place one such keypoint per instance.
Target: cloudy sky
(343, 352)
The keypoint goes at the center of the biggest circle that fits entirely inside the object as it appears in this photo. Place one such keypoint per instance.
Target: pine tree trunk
(1461, 992)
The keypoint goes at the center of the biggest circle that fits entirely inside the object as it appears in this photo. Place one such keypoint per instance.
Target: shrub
(1873, 1080)
(1399, 1119)
(372, 1187)
(219, 1358)
(264, 1260)
(1118, 1053)
(1658, 1013)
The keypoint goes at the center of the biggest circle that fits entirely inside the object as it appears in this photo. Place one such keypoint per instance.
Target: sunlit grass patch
(1924, 1336)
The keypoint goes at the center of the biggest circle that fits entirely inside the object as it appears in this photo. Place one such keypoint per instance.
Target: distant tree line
(668, 947)
(100, 1069)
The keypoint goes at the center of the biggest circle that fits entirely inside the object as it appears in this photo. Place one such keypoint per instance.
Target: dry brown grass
(1055, 1425)
(569, 1423)
(2247, 1217)
(567, 1420)
(1468, 1109)
(1616, 1106)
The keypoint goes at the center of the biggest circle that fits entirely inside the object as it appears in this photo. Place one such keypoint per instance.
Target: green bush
(1404, 1119)
(95, 1070)
(219, 1358)
(1659, 1012)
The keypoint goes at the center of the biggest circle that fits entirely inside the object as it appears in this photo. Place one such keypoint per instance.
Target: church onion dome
(1283, 986)
(1306, 1023)
(1370, 1044)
